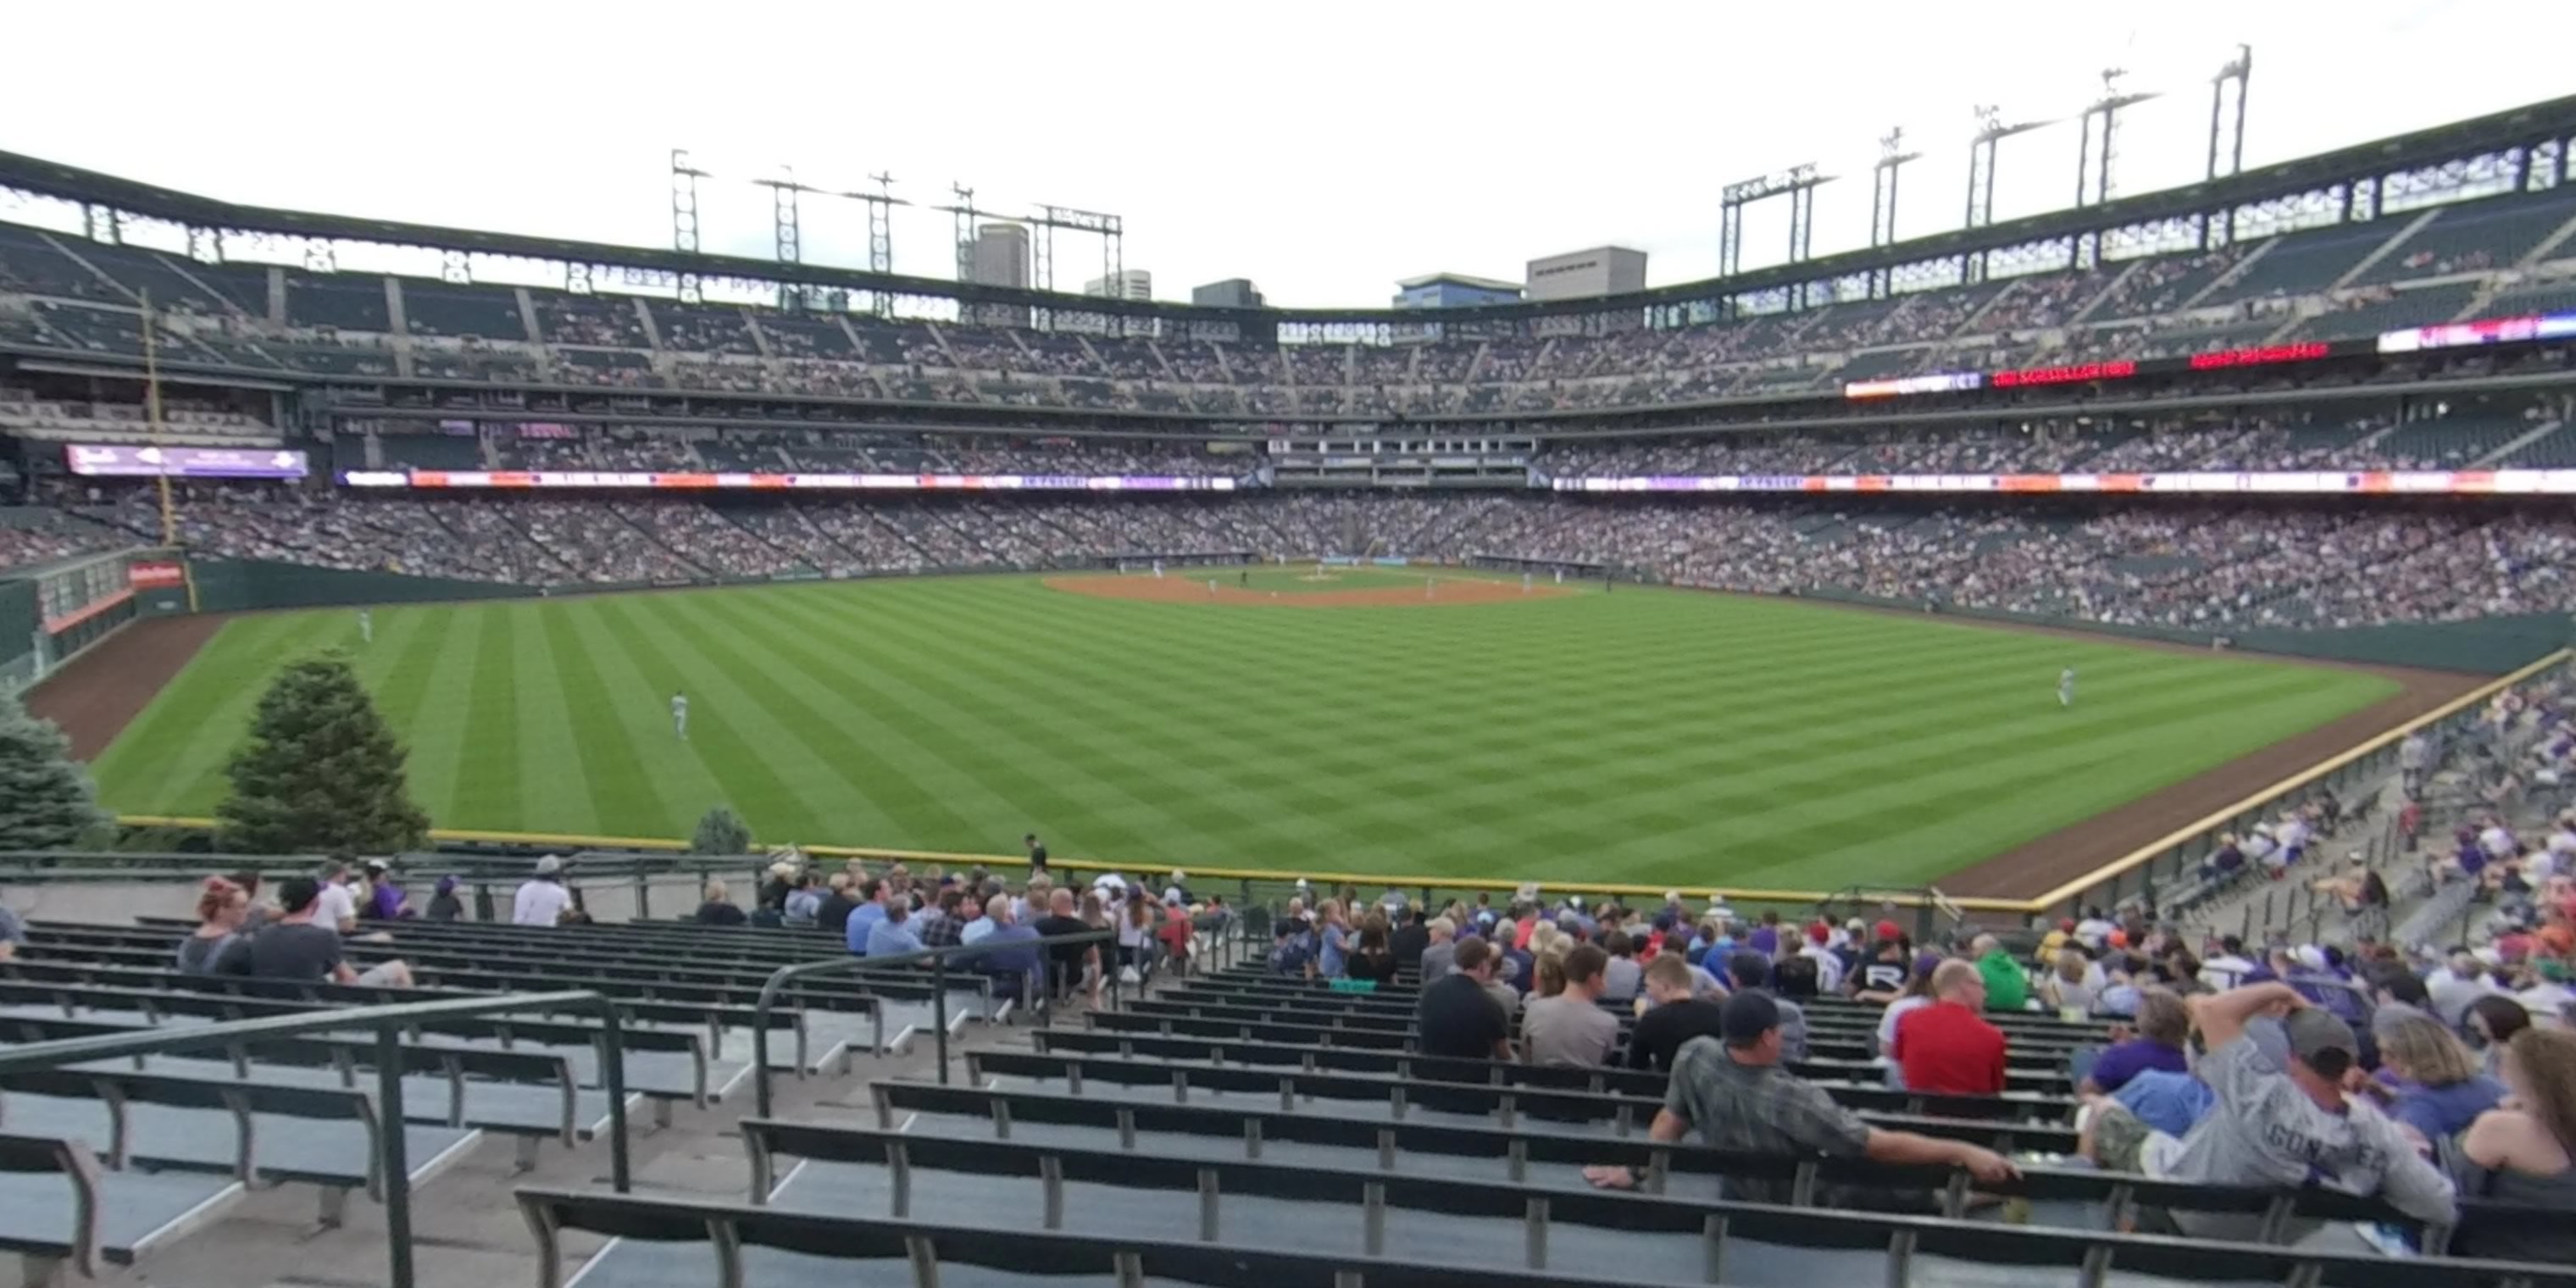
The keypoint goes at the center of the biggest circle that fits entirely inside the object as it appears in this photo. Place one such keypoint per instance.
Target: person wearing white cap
(1177, 894)
(542, 899)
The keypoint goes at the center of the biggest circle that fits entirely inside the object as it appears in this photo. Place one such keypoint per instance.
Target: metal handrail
(387, 1023)
(937, 957)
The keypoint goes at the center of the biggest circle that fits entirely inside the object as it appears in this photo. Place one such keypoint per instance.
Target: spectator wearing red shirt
(1175, 933)
(1947, 1048)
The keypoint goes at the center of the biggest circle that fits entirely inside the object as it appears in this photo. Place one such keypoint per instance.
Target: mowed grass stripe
(1563, 743)
(1125, 718)
(1137, 692)
(859, 780)
(1035, 778)
(438, 720)
(1665, 737)
(1846, 751)
(667, 784)
(190, 730)
(487, 749)
(916, 704)
(730, 741)
(2066, 787)
(552, 779)
(614, 785)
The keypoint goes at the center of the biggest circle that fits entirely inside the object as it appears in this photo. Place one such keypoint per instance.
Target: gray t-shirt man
(291, 950)
(1568, 1029)
(2265, 1131)
(1760, 1109)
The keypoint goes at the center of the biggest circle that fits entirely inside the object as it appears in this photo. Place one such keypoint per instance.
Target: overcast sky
(1322, 149)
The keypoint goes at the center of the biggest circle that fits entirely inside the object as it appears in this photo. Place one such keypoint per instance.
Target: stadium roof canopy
(2523, 127)
(1458, 279)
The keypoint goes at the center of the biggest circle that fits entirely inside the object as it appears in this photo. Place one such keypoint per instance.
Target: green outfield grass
(1646, 736)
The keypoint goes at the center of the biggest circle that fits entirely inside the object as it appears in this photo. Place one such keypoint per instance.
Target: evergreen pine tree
(46, 798)
(721, 831)
(321, 771)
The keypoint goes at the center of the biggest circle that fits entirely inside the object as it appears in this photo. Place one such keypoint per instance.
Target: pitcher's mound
(1181, 590)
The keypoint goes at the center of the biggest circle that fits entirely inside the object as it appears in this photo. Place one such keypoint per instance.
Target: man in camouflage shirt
(1731, 1093)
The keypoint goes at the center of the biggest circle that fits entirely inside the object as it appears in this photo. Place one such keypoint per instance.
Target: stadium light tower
(966, 214)
(1982, 151)
(782, 221)
(2092, 172)
(2226, 122)
(1110, 228)
(684, 216)
(880, 228)
(1892, 157)
(1798, 183)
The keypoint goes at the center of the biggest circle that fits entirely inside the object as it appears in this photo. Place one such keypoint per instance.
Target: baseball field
(1365, 720)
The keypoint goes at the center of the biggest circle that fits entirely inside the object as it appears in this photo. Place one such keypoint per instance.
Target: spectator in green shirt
(2007, 987)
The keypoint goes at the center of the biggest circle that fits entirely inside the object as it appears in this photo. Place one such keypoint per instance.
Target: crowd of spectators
(36, 536)
(2206, 568)
(2415, 1077)
(2239, 444)
(1776, 342)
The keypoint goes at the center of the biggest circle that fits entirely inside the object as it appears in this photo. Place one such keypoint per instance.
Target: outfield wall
(244, 585)
(22, 624)
(234, 585)
(2487, 646)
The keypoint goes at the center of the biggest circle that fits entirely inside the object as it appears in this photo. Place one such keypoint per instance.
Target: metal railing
(387, 1023)
(938, 959)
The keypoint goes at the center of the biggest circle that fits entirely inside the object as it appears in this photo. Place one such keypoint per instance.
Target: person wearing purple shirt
(1765, 938)
(2163, 1025)
(2429, 1080)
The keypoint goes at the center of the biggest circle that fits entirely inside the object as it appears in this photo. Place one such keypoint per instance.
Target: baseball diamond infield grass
(1650, 736)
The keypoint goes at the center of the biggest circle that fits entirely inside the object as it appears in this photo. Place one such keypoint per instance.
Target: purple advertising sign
(186, 462)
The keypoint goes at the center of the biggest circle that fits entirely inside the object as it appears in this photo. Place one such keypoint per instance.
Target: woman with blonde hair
(1332, 937)
(2065, 989)
(1094, 973)
(2438, 1089)
(1548, 948)
(2523, 1154)
(718, 910)
(1136, 927)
